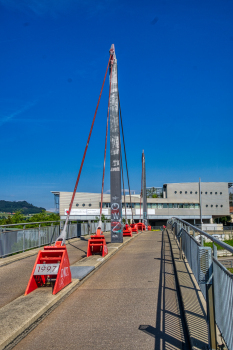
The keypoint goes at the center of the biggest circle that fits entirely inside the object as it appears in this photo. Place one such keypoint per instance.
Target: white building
(178, 199)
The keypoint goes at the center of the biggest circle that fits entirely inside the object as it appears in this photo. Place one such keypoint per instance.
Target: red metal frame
(127, 231)
(97, 244)
(134, 228)
(51, 254)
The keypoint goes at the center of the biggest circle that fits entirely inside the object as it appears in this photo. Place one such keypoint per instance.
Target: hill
(23, 206)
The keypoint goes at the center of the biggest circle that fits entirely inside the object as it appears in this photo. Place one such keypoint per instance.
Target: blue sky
(175, 82)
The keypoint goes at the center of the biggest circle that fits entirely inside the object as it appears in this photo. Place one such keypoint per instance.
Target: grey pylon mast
(144, 189)
(115, 164)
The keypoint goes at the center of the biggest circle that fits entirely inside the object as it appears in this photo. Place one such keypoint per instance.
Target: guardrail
(20, 240)
(214, 280)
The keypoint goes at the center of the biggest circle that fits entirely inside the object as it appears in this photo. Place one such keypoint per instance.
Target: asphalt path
(131, 302)
(14, 277)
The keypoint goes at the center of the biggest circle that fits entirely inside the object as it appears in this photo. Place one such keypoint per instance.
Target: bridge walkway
(131, 302)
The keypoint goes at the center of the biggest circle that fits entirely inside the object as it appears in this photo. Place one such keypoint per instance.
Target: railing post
(39, 235)
(23, 238)
(215, 251)
(51, 231)
(181, 248)
(202, 241)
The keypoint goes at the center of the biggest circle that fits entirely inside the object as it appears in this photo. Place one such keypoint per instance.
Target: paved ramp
(129, 303)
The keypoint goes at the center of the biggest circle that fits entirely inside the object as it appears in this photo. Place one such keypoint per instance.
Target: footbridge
(155, 290)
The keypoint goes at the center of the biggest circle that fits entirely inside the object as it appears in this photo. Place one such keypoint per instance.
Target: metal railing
(19, 240)
(214, 280)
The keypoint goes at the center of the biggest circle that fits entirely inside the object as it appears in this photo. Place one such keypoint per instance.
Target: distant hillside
(23, 206)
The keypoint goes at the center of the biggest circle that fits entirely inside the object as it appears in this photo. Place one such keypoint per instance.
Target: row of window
(191, 192)
(157, 205)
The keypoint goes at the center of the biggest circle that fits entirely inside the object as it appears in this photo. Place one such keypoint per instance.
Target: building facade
(182, 200)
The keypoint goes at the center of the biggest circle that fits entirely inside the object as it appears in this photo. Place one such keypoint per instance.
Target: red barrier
(52, 264)
(134, 228)
(97, 244)
(127, 231)
(149, 228)
(141, 226)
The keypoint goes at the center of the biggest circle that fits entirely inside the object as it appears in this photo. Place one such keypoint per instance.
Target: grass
(210, 244)
(230, 269)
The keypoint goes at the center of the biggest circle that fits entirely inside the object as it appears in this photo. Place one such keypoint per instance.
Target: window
(211, 205)
(206, 205)
(170, 205)
(211, 192)
(216, 192)
(77, 204)
(107, 205)
(196, 192)
(205, 192)
(191, 192)
(160, 206)
(137, 205)
(201, 192)
(180, 205)
(155, 205)
(175, 206)
(216, 205)
(221, 205)
(165, 205)
(149, 205)
(220, 192)
(175, 192)
(186, 192)
(186, 205)
(196, 205)
(180, 192)
(83, 205)
(89, 204)
(191, 206)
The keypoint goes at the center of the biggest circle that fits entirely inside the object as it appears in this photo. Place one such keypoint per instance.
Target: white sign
(149, 211)
(46, 269)
(128, 211)
(86, 211)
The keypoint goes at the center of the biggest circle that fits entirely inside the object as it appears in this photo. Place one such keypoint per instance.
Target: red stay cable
(106, 140)
(84, 155)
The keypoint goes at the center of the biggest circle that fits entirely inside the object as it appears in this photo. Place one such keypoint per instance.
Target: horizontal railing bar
(30, 223)
(222, 244)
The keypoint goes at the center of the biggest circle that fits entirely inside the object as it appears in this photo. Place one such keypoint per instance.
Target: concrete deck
(129, 303)
(16, 270)
(18, 317)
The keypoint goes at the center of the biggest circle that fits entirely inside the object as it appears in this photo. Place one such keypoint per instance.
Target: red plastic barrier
(134, 228)
(97, 244)
(141, 226)
(149, 228)
(127, 231)
(51, 263)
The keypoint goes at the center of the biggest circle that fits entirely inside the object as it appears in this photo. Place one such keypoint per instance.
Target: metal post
(115, 167)
(202, 241)
(200, 202)
(215, 251)
(51, 232)
(144, 189)
(181, 255)
(23, 238)
(39, 235)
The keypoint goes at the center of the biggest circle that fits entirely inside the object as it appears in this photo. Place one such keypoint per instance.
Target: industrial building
(182, 200)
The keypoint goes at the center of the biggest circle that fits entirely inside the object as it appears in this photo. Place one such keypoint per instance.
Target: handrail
(29, 223)
(222, 244)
